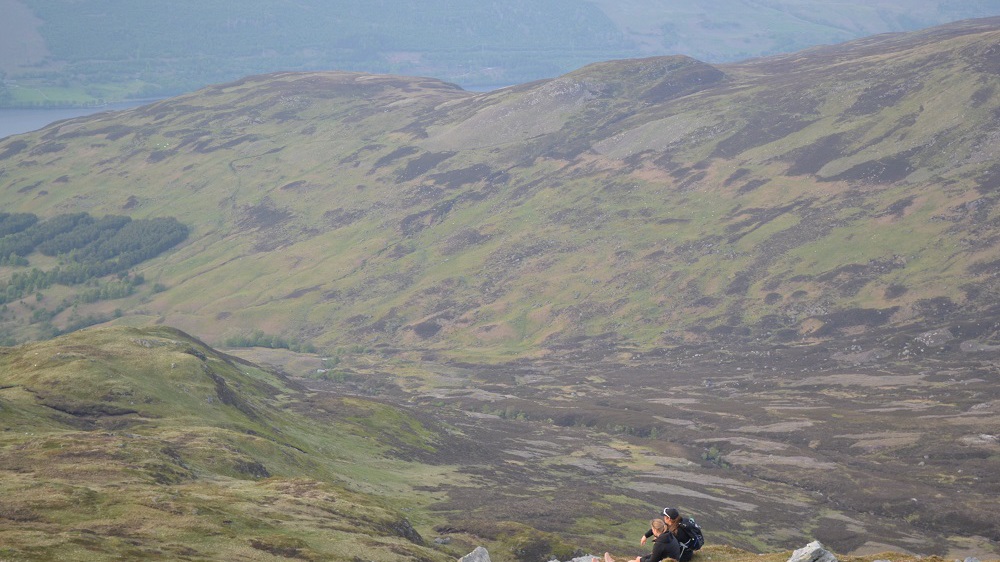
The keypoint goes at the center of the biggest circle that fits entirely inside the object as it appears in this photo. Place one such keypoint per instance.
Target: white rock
(478, 555)
(812, 552)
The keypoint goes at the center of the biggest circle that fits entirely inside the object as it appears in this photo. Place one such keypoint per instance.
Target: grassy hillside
(59, 52)
(148, 445)
(647, 203)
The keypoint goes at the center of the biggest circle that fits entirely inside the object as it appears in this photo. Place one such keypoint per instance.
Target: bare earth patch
(746, 458)
(858, 379)
(673, 490)
(884, 440)
(783, 427)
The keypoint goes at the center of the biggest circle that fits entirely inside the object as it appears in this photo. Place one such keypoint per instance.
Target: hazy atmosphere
(70, 52)
(381, 280)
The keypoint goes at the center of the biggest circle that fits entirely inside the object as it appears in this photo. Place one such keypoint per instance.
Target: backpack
(695, 539)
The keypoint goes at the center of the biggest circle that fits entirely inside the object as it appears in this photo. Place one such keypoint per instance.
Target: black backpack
(695, 539)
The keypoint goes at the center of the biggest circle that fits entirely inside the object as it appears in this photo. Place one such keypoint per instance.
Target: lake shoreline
(14, 121)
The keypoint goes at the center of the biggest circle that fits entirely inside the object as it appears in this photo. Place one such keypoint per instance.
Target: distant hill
(62, 52)
(842, 191)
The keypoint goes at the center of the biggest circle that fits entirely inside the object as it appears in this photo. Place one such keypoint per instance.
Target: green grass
(225, 474)
(50, 96)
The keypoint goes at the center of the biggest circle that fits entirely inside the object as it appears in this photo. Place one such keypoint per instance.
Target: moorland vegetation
(765, 293)
(146, 444)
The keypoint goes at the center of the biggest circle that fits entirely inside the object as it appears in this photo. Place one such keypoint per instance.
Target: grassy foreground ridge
(148, 445)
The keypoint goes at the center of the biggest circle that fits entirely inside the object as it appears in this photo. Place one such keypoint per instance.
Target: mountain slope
(146, 444)
(646, 202)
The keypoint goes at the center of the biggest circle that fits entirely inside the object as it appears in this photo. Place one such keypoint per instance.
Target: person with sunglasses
(686, 539)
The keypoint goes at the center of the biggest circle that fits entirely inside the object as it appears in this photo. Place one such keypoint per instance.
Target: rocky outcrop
(813, 552)
(478, 555)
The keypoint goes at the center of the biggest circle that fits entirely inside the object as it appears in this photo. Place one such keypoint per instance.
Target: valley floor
(767, 450)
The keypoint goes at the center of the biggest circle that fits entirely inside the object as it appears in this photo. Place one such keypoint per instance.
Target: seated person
(664, 544)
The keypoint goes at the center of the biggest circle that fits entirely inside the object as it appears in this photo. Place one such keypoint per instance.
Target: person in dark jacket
(664, 544)
(685, 539)
(672, 519)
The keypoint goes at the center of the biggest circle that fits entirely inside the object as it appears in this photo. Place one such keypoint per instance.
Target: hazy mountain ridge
(57, 52)
(787, 199)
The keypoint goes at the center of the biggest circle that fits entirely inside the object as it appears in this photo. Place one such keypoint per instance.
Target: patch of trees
(87, 249)
(42, 317)
(16, 222)
(714, 456)
(258, 338)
